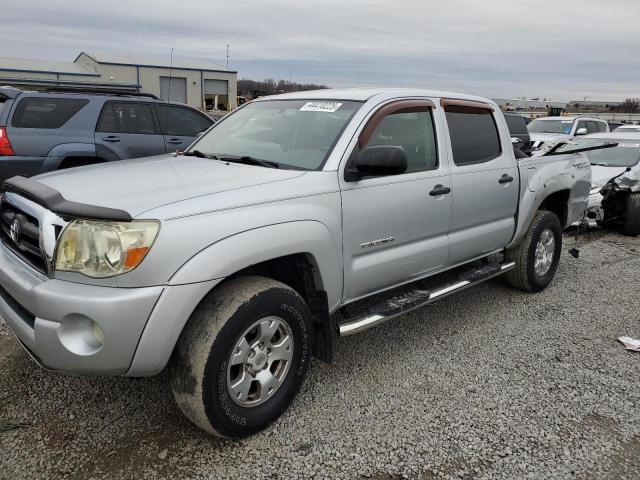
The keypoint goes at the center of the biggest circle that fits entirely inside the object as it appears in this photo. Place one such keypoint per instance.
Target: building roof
(44, 66)
(163, 61)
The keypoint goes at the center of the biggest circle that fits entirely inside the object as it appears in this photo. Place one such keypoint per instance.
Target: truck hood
(139, 185)
(601, 175)
(545, 137)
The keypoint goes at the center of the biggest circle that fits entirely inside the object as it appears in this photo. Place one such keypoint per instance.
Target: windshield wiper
(247, 160)
(556, 149)
(199, 154)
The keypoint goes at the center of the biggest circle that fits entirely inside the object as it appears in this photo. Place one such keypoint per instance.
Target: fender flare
(58, 153)
(531, 202)
(236, 252)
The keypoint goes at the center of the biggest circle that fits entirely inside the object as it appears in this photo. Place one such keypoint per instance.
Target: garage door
(216, 87)
(178, 90)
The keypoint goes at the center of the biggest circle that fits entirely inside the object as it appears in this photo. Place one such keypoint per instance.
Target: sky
(562, 50)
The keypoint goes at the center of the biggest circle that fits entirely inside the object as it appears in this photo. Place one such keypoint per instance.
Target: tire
(631, 225)
(524, 276)
(202, 368)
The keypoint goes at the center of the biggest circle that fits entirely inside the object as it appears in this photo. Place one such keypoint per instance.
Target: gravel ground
(491, 383)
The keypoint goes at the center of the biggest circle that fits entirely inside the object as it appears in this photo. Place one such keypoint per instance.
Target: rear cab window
(473, 132)
(45, 112)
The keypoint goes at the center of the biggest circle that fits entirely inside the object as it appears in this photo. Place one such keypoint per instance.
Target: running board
(401, 304)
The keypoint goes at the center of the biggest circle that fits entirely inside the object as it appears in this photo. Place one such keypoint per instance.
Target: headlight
(102, 249)
(595, 190)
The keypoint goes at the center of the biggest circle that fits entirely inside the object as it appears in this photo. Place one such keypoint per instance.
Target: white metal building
(198, 82)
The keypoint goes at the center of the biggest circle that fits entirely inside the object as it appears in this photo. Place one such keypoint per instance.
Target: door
(180, 126)
(394, 229)
(173, 89)
(484, 178)
(128, 130)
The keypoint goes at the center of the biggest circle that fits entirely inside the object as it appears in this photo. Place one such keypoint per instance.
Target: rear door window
(474, 134)
(127, 117)
(602, 127)
(44, 112)
(182, 121)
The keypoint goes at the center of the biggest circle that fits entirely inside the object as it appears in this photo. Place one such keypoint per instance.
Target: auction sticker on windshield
(328, 107)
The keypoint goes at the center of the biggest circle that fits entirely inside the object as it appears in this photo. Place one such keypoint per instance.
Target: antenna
(170, 76)
(227, 55)
(166, 110)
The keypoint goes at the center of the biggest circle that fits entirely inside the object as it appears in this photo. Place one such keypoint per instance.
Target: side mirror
(515, 140)
(581, 131)
(378, 161)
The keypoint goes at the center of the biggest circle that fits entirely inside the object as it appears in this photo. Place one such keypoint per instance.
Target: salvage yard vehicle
(554, 129)
(627, 128)
(229, 265)
(69, 127)
(614, 199)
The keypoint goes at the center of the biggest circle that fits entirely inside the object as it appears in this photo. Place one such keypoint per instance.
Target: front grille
(27, 245)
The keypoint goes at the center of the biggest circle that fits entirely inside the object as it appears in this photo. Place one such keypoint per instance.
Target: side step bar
(417, 298)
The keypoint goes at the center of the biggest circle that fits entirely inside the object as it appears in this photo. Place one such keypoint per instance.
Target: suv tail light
(5, 145)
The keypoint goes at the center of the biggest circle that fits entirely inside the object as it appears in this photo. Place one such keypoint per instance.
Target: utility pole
(227, 55)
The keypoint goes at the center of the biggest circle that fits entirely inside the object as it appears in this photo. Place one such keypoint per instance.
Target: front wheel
(242, 357)
(537, 255)
(631, 225)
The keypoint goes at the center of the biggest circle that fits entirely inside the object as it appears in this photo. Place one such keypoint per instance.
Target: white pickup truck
(227, 261)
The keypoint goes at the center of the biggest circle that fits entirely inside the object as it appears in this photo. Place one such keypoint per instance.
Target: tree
(631, 105)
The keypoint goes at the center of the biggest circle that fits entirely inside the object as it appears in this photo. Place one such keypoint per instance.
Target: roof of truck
(363, 94)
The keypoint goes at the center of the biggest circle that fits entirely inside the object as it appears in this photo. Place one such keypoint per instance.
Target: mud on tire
(203, 366)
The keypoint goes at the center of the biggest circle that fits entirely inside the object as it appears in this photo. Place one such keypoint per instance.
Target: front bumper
(73, 327)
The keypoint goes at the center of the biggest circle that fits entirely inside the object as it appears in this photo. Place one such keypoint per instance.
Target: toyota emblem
(16, 231)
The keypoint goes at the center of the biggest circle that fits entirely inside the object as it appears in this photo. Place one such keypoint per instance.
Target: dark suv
(51, 130)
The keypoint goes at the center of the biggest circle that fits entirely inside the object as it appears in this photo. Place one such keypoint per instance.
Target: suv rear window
(39, 112)
(474, 134)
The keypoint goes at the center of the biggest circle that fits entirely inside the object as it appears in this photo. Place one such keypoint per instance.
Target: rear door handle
(111, 138)
(439, 190)
(505, 179)
(175, 141)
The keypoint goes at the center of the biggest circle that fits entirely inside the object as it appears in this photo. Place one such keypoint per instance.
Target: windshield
(626, 154)
(291, 133)
(551, 126)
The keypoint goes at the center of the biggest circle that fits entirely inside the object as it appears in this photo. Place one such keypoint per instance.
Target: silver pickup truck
(231, 262)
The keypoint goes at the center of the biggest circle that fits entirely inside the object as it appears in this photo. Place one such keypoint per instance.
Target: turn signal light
(5, 146)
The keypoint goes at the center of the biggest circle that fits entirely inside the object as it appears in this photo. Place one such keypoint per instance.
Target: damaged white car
(614, 199)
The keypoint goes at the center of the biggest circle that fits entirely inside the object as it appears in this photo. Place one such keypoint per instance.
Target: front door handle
(505, 179)
(175, 141)
(111, 138)
(439, 190)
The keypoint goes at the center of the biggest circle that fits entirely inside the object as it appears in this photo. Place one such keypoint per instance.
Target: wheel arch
(312, 271)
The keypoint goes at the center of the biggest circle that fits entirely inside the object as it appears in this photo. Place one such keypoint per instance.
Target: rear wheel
(632, 215)
(242, 357)
(537, 255)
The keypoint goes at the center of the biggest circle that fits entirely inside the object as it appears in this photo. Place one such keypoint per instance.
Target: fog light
(81, 335)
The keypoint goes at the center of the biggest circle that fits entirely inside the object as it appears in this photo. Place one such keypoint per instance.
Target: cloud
(498, 48)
